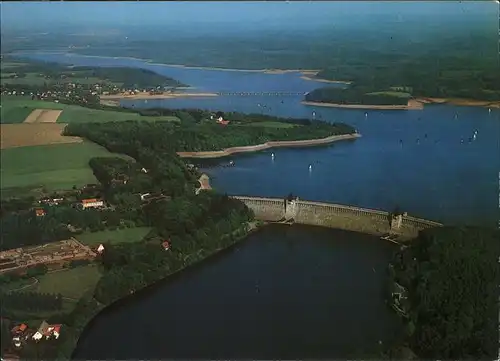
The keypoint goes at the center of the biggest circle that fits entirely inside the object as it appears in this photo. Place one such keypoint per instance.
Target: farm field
(127, 235)
(33, 134)
(45, 168)
(16, 108)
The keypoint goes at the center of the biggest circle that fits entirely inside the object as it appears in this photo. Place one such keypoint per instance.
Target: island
(356, 97)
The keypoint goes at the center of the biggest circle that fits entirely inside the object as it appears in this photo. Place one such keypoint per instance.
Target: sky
(262, 14)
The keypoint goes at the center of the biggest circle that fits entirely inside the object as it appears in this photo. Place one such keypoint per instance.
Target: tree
(452, 276)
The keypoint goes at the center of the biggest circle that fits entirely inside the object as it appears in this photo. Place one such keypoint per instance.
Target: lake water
(431, 174)
(286, 292)
(297, 292)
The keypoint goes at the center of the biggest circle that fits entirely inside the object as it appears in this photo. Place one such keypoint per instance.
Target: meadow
(127, 235)
(70, 283)
(16, 108)
(45, 168)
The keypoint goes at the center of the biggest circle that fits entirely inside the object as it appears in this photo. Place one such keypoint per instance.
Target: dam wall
(336, 216)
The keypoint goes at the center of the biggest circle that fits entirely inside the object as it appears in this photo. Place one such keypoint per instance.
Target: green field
(14, 107)
(11, 112)
(71, 283)
(53, 167)
(127, 235)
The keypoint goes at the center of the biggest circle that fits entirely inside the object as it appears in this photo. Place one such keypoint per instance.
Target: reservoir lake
(297, 291)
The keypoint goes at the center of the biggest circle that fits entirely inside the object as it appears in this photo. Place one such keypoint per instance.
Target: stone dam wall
(336, 216)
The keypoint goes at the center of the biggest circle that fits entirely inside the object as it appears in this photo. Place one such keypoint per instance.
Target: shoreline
(251, 227)
(460, 102)
(271, 144)
(307, 74)
(412, 105)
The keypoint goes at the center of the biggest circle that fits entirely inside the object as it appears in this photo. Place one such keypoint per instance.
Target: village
(23, 333)
(77, 93)
(58, 254)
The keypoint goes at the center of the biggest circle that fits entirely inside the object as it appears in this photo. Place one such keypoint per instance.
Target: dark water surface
(285, 292)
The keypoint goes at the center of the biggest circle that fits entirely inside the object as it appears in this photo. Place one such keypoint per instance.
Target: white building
(92, 203)
(37, 336)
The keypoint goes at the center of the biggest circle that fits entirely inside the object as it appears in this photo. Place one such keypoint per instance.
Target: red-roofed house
(53, 331)
(19, 329)
(166, 245)
(39, 212)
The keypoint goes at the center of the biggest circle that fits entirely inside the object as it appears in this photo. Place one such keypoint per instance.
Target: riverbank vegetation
(451, 279)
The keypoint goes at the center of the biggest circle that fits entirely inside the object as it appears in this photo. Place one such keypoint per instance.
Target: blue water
(438, 177)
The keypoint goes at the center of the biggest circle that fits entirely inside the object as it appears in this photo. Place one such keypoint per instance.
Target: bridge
(336, 216)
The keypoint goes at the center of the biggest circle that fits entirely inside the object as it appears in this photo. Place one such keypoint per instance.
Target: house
(47, 331)
(100, 249)
(19, 329)
(42, 330)
(92, 203)
(166, 245)
(53, 331)
(144, 170)
(39, 212)
(145, 196)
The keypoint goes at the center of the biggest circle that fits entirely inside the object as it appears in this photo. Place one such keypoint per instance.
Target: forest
(356, 95)
(452, 277)
(438, 75)
(170, 138)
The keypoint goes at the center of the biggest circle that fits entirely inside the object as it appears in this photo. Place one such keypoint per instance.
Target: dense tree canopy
(430, 75)
(169, 138)
(356, 95)
(452, 278)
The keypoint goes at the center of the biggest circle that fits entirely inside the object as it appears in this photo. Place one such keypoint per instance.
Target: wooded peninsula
(394, 79)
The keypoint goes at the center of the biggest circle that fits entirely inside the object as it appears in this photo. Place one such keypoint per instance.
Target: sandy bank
(146, 95)
(319, 80)
(412, 105)
(259, 147)
(311, 75)
(462, 102)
